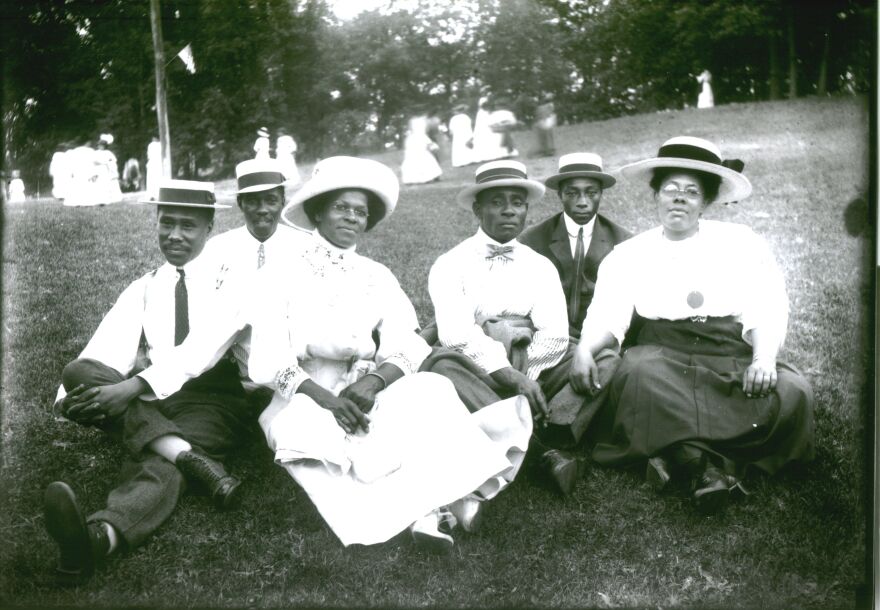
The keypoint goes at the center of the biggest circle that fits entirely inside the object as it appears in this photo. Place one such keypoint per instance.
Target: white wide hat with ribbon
(580, 165)
(186, 194)
(687, 152)
(334, 173)
(500, 173)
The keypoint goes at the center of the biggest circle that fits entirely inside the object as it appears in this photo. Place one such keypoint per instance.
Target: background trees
(75, 68)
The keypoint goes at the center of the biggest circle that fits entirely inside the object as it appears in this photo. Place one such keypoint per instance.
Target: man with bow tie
(499, 307)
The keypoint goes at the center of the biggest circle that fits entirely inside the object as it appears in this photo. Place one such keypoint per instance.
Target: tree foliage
(75, 68)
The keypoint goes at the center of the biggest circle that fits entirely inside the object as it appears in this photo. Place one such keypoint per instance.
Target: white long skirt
(424, 450)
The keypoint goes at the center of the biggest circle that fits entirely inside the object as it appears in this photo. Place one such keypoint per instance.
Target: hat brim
(534, 189)
(309, 191)
(607, 180)
(734, 186)
(215, 206)
(256, 188)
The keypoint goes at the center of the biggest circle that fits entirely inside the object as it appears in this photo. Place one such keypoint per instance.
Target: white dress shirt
(467, 288)
(725, 269)
(148, 304)
(326, 337)
(572, 228)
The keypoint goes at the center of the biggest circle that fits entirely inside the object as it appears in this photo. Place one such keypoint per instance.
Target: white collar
(481, 238)
(333, 248)
(572, 227)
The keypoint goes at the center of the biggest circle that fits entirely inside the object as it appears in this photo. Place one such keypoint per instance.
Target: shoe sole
(432, 544)
(656, 478)
(230, 499)
(67, 527)
(711, 501)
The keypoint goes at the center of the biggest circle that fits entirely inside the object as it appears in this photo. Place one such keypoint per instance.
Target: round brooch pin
(695, 299)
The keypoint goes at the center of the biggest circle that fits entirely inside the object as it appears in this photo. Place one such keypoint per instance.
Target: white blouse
(725, 269)
(467, 286)
(315, 320)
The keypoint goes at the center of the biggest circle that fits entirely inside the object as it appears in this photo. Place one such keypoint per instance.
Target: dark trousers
(149, 485)
(570, 413)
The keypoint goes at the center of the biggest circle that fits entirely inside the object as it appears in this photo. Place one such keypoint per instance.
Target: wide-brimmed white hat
(686, 152)
(341, 172)
(186, 194)
(580, 165)
(500, 173)
(263, 132)
(259, 175)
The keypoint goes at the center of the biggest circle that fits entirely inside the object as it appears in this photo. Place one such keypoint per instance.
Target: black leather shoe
(712, 492)
(657, 474)
(199, 468)
(564, 469)
(80, 545)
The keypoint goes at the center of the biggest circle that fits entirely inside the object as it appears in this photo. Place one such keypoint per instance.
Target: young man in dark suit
(575, 241)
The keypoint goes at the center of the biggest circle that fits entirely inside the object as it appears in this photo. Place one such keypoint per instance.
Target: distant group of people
(572, 337)
(285, 152)
(488, 137)
(86, 176)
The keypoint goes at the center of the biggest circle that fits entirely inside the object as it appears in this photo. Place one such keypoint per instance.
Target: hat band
(500, 173)
(687, 151)
(191, 196)
(579, 167)
(260, 178)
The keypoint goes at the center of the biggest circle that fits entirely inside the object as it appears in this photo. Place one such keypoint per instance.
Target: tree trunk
(792, 55)
(161, 108)
(775, 76)
(822, 82)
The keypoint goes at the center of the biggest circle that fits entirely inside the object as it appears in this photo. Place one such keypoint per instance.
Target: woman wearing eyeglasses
(700, 397)
(377, 446)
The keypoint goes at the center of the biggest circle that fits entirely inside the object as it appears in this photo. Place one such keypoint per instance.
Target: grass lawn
(798, 541)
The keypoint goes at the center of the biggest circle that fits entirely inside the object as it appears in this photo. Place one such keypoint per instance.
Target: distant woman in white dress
(154, 168)
(262, 144)
(419, 163)
(107, 188)
(705, 99)
(377, 446)
(16, 188)
(462, 136)
(285, 150)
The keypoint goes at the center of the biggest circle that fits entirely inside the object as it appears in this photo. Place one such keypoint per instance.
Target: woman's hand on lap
(348, 414)
(760, 378)
(363, 392)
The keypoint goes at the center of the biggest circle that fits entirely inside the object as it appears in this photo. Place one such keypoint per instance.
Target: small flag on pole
(186, 56)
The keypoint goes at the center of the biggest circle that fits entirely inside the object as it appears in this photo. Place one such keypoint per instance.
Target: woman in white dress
(705, 99)
(262, 144)
(285, 151)
(462, 137)
(154, 168)
(107, 189)
(377, 446)
(419, 163)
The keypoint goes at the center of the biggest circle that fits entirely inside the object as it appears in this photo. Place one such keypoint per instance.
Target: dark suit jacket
(550, 238)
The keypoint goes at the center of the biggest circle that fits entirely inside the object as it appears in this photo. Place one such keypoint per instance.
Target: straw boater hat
(580, 165)
(263, 132)
(186, 194)
(335, 173)
(686, 152)
(256, 175)
(500, 173)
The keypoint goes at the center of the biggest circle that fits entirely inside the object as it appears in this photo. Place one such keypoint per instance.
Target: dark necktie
(574, 300)
(261, 256)
(181, 308)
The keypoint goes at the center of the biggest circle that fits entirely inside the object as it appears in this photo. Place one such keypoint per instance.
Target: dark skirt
(682, 383)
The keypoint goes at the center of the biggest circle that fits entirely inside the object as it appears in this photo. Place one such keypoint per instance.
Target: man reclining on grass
(175, 438)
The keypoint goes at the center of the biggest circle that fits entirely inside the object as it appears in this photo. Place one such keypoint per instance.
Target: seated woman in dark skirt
(701, 392)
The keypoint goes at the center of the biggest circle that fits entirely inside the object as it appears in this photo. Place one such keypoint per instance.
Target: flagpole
(161, 106)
